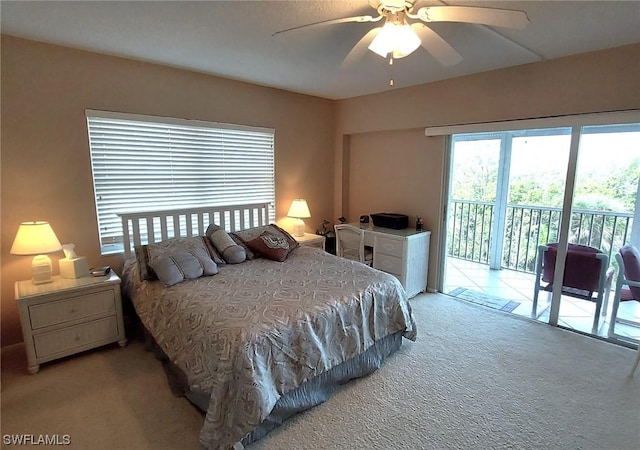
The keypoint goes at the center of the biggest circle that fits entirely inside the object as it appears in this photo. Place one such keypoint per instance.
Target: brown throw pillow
(270, 246)
(242, 237)
(293, 244)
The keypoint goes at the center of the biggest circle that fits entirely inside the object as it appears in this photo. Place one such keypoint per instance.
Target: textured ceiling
(234, 39)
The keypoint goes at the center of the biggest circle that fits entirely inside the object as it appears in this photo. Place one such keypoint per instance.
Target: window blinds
(143, 163)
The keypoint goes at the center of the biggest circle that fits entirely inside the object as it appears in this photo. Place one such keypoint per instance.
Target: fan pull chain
(391, 78)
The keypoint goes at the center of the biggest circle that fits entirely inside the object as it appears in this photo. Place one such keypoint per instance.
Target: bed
(263, 339)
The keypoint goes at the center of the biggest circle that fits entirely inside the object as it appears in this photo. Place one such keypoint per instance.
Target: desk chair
(350, 244)
(585, 273)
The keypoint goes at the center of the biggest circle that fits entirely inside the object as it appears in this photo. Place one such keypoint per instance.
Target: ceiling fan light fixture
(407, 41)
(384, 41)
(398, 39)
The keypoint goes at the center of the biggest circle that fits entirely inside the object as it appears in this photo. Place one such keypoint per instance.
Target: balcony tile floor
(575, 314)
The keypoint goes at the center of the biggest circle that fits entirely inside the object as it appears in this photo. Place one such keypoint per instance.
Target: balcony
(470, 263)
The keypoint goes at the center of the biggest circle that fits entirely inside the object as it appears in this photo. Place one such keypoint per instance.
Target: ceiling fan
(404, 28)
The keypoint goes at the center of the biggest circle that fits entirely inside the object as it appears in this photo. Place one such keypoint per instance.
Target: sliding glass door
(508, 192)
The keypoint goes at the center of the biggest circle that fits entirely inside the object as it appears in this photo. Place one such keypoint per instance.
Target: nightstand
(68, 316)
(311, 240)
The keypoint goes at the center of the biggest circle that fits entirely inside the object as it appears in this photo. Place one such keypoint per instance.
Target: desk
(403, 253)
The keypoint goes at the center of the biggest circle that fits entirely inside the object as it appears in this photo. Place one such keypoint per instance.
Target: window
(144, 163)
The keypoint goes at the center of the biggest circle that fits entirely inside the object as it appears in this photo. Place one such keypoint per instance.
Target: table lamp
(37, 238)
(299, 210)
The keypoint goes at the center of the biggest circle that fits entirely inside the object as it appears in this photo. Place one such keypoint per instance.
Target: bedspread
(262, 328)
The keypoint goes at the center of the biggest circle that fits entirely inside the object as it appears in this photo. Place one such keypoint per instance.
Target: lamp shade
(35, 238)
(299, 209)
(397, 39)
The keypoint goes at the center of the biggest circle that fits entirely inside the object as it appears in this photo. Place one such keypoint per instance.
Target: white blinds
(143, 163)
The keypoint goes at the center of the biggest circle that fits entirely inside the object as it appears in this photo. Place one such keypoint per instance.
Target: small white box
(74, 268)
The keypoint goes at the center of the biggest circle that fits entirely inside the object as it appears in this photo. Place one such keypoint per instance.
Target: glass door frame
(576, 123)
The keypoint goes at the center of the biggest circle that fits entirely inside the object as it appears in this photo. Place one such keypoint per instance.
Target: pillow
(293, 244)
(244, 236)
(166, 270)
(177, 267)
(209, 266)
(217, 257)
(142, 258)
(231, 252)
(144, 253)
(270, 246)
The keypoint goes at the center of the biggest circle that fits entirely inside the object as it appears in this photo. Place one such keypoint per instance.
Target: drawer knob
(73, 310)
(77, 338)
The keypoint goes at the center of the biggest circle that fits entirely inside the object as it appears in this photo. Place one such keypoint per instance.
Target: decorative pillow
(209, 267)
(145, 253)
(244, 236)
(142, 258)
(166, 270)
(177, 267)
(293, 244)
(217, 257)
(270, 246)
(231, 252)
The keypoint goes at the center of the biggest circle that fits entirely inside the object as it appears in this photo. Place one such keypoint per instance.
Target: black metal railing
(526, 227)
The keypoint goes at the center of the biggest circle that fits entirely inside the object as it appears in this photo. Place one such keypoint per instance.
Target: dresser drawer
(388, 246)
(101, 330)
(73, 308)
(388, 263)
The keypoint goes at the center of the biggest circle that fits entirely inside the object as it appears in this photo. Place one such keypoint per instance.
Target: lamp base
(298, 228)
(41, 269)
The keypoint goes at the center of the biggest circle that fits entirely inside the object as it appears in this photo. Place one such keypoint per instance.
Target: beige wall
(383, 161)
(46, 171)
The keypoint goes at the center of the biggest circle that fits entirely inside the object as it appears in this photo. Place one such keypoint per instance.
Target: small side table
(68, 316)
(311, 240)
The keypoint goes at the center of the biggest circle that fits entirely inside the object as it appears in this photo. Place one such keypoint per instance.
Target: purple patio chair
(586, 272)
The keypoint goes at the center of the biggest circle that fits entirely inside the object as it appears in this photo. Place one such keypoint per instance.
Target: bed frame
(153, 226)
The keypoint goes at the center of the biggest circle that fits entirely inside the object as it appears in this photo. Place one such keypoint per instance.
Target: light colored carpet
(475, 379)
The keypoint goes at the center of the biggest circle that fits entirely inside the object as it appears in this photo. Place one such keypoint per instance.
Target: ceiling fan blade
(472, 14)
(360, 19)
(360, 49)
(434, 44)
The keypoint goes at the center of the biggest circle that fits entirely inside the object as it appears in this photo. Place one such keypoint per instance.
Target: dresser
(68, 316)
(403, 253)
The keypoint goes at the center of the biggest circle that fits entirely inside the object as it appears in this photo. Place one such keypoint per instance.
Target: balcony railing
(472, 226)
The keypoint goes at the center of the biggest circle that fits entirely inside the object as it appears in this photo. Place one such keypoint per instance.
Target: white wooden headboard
(154, 226)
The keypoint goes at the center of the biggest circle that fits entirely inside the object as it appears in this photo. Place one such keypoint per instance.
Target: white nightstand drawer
(77, 336)
(46, 314)
(393, 247)
(388, 263)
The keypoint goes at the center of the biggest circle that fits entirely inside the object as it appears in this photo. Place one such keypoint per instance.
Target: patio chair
(586, 273)
(627, 286)
(350, 244)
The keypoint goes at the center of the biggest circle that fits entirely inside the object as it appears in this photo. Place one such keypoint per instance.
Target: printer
(390, 220)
